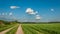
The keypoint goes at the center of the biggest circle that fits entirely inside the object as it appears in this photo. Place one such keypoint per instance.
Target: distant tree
(1, 22)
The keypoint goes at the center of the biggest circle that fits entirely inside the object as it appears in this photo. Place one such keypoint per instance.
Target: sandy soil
(19, 30)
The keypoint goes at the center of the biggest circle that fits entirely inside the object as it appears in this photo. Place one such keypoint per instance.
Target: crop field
(41, 28)
(13, 30)
(4, 27)
(53, 28)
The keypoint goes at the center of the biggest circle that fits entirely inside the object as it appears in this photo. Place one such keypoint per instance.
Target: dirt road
(19, 30)
(3, 32)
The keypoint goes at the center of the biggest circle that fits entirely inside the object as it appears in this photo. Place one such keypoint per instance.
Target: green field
(12, 31)
(51, 28)
(4, 27)
(41, 28)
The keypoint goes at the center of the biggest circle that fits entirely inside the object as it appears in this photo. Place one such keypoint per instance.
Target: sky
(30, 10)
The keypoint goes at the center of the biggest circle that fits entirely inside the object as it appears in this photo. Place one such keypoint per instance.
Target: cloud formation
(10, 13)
(38, 17)
(30, 11)
(3, 14)
(14, 7)
(36, 12)
(33, 12)
(52, 9)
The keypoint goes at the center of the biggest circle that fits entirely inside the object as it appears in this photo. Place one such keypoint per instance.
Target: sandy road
(19, 30)
(3, 32)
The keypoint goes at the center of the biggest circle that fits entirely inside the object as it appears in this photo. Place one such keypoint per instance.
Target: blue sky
(47, 10)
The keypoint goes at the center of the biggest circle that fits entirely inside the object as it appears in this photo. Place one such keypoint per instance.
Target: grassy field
(4, 27)
(41, 28)
(51, 28)
(13, 30)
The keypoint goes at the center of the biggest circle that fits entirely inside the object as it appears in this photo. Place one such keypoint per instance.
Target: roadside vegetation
(6, 25)
(13, 30)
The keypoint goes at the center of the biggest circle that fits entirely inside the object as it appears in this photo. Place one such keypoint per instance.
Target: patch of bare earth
(19, 30)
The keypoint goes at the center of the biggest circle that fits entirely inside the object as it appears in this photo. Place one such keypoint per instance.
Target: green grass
(13, 31)
(29, 30)
(42, 28)
(4, 27)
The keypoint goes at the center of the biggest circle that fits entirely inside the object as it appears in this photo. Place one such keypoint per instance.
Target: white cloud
(30, 11)
(10, 13)
(14, 7)
(38, 17)
(36, 12)
(3, 14)
(52, 9)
